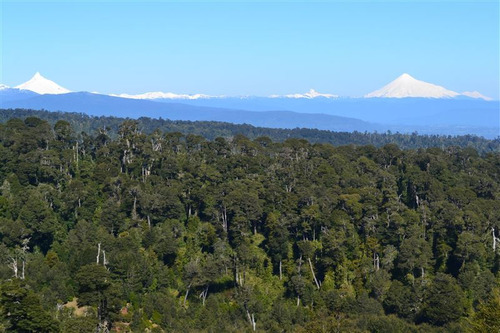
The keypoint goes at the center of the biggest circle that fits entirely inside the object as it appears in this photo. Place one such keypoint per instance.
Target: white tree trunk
(13, 266)
(204, 295)
(312, 271)
(134, 208)
(187, 293)
(376, 261)
(104, 261)
(495, 239)
(251, 319)
(98, 253)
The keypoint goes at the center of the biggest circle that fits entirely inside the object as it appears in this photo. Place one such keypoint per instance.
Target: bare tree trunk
(224, 219)
(495, 239)
(204, 295)
(187, 293)
(134, 209)
(22, 272)
(13, 266)
(98, 253)
(376, 261)
(312, 271)
(251, 319)
(104, 261)
(281, 271)
(236, 276)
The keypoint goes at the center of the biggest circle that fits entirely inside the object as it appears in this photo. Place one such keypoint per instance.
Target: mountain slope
(14, 94)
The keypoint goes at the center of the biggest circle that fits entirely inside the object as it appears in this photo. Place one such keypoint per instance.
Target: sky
(251, 48)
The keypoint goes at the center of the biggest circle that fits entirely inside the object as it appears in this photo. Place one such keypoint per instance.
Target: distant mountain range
(405, 105)
(402, 87)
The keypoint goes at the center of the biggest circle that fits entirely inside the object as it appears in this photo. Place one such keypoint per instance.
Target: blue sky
(251, 48)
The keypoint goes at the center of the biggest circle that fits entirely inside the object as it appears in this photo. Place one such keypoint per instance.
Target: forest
(150, 230)
(212, 129)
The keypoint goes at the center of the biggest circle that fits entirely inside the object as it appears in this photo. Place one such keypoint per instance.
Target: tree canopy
(163, 231)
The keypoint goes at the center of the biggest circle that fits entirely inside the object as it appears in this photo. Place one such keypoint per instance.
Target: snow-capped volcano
(310, 94)
(42, 86)
(408, 86)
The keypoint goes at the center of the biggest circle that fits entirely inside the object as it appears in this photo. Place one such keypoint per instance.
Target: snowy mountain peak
(476, 94)
(405, 76)
(41, 85)
(3, 86)
(162, 95)
(407, 86)
(310, 94)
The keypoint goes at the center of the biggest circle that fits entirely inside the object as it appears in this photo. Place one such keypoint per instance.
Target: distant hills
(102, 105)
(212, 129)
(405, 105)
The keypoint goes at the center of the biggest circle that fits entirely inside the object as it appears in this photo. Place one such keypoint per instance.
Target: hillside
(171, 232)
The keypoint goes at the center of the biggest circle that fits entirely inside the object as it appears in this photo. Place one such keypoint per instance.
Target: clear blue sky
(251, 48)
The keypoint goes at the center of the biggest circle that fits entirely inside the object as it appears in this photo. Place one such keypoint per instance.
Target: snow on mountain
(168, 95)
(42, 86)
(476, 94)
(408, 86)
(404, 86)
(310, 94)
(162, 95)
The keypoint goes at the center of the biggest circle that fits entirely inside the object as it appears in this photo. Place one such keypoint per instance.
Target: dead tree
(24, 250)
(251, 319)
(376, 261)
(13, 265)
(314, 275)
(495, 239)
(98, 253)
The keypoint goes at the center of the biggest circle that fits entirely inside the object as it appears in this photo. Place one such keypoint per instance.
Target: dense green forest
(211, 130)
(153, 231)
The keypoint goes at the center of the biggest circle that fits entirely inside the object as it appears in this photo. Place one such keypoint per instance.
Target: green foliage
(22, 309)
(212, 129)
(444, 302)
(133, 228)
(487, 317)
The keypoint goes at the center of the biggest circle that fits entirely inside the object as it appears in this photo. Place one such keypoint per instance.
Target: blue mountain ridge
(424, 115)
(103, 105)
